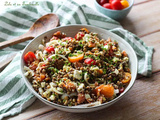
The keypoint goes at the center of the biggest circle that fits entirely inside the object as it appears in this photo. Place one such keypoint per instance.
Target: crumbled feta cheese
(107, 47)
(29, 73)
(115, 59)
(52, 97)
(86, 37)
(80, 87)
(67, 68)
(116, 91)
(43, 84)
(41, 47)
(56, 50)
(116, 71)
(126, 59)
(87, 96)
(77, 74)
(40, 91)
(94, 68)
(118, 53)
(86, 77)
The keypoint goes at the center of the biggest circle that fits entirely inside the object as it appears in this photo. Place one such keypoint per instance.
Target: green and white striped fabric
(14, 95)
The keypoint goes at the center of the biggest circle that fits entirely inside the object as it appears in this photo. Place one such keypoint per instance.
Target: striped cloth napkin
(14, 95)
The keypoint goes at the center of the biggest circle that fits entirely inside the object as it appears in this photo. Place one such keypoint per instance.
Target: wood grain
(143, 101)
(140, 103)
(142, 20)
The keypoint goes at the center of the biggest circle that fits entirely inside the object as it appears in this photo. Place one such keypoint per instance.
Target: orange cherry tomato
(76, 58)
(107, 91)
(29, 57)
(127, 78)
(125, 3)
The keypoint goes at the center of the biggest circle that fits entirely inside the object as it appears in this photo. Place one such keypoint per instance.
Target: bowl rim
(27, 83)
(132, 2)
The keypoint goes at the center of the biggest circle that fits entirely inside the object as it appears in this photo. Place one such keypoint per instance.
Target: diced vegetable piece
(76, 58)
(127, 78)
(91, 44)
(90, 61)
(107, 91)
(68, 38)
(50, 49)
(81, 98)
(125, 3)
(29, 57)
(85, 30)
(79, 35)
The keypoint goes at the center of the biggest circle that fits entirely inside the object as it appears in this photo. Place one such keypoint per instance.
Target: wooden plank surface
(140, 103)
(143, 18)
(143, 101)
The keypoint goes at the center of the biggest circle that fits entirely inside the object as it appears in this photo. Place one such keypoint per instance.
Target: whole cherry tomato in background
(107, 5)
(116, 5)
(101, 2)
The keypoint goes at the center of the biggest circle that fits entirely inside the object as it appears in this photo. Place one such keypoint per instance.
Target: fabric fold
(14, 22)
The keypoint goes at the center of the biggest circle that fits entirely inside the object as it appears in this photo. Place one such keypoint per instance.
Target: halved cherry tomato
(116, 5)
(76, 58)
(90, 61)
(68, 38)
(127, 78)
(79, 35)
(50, 49)
(107, 5)
(101, 2)
(107, 91)
(29, 57)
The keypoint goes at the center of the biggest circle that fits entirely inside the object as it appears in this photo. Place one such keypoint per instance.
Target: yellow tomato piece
(76, 58)
(127, 78)
(125, 3)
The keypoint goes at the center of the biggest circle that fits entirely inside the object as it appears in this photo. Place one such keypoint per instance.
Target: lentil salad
(84, 69)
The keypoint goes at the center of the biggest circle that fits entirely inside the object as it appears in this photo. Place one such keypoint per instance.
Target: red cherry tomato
(79, 35)
(113, 0)
(90, 61)
(121, 90)
(50, 49)
(101, 2)
(107, 5)
(116, 5)
(68, 38)
(29, 57)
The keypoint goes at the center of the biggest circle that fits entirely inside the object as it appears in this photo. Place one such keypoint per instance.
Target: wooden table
(142, 102)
